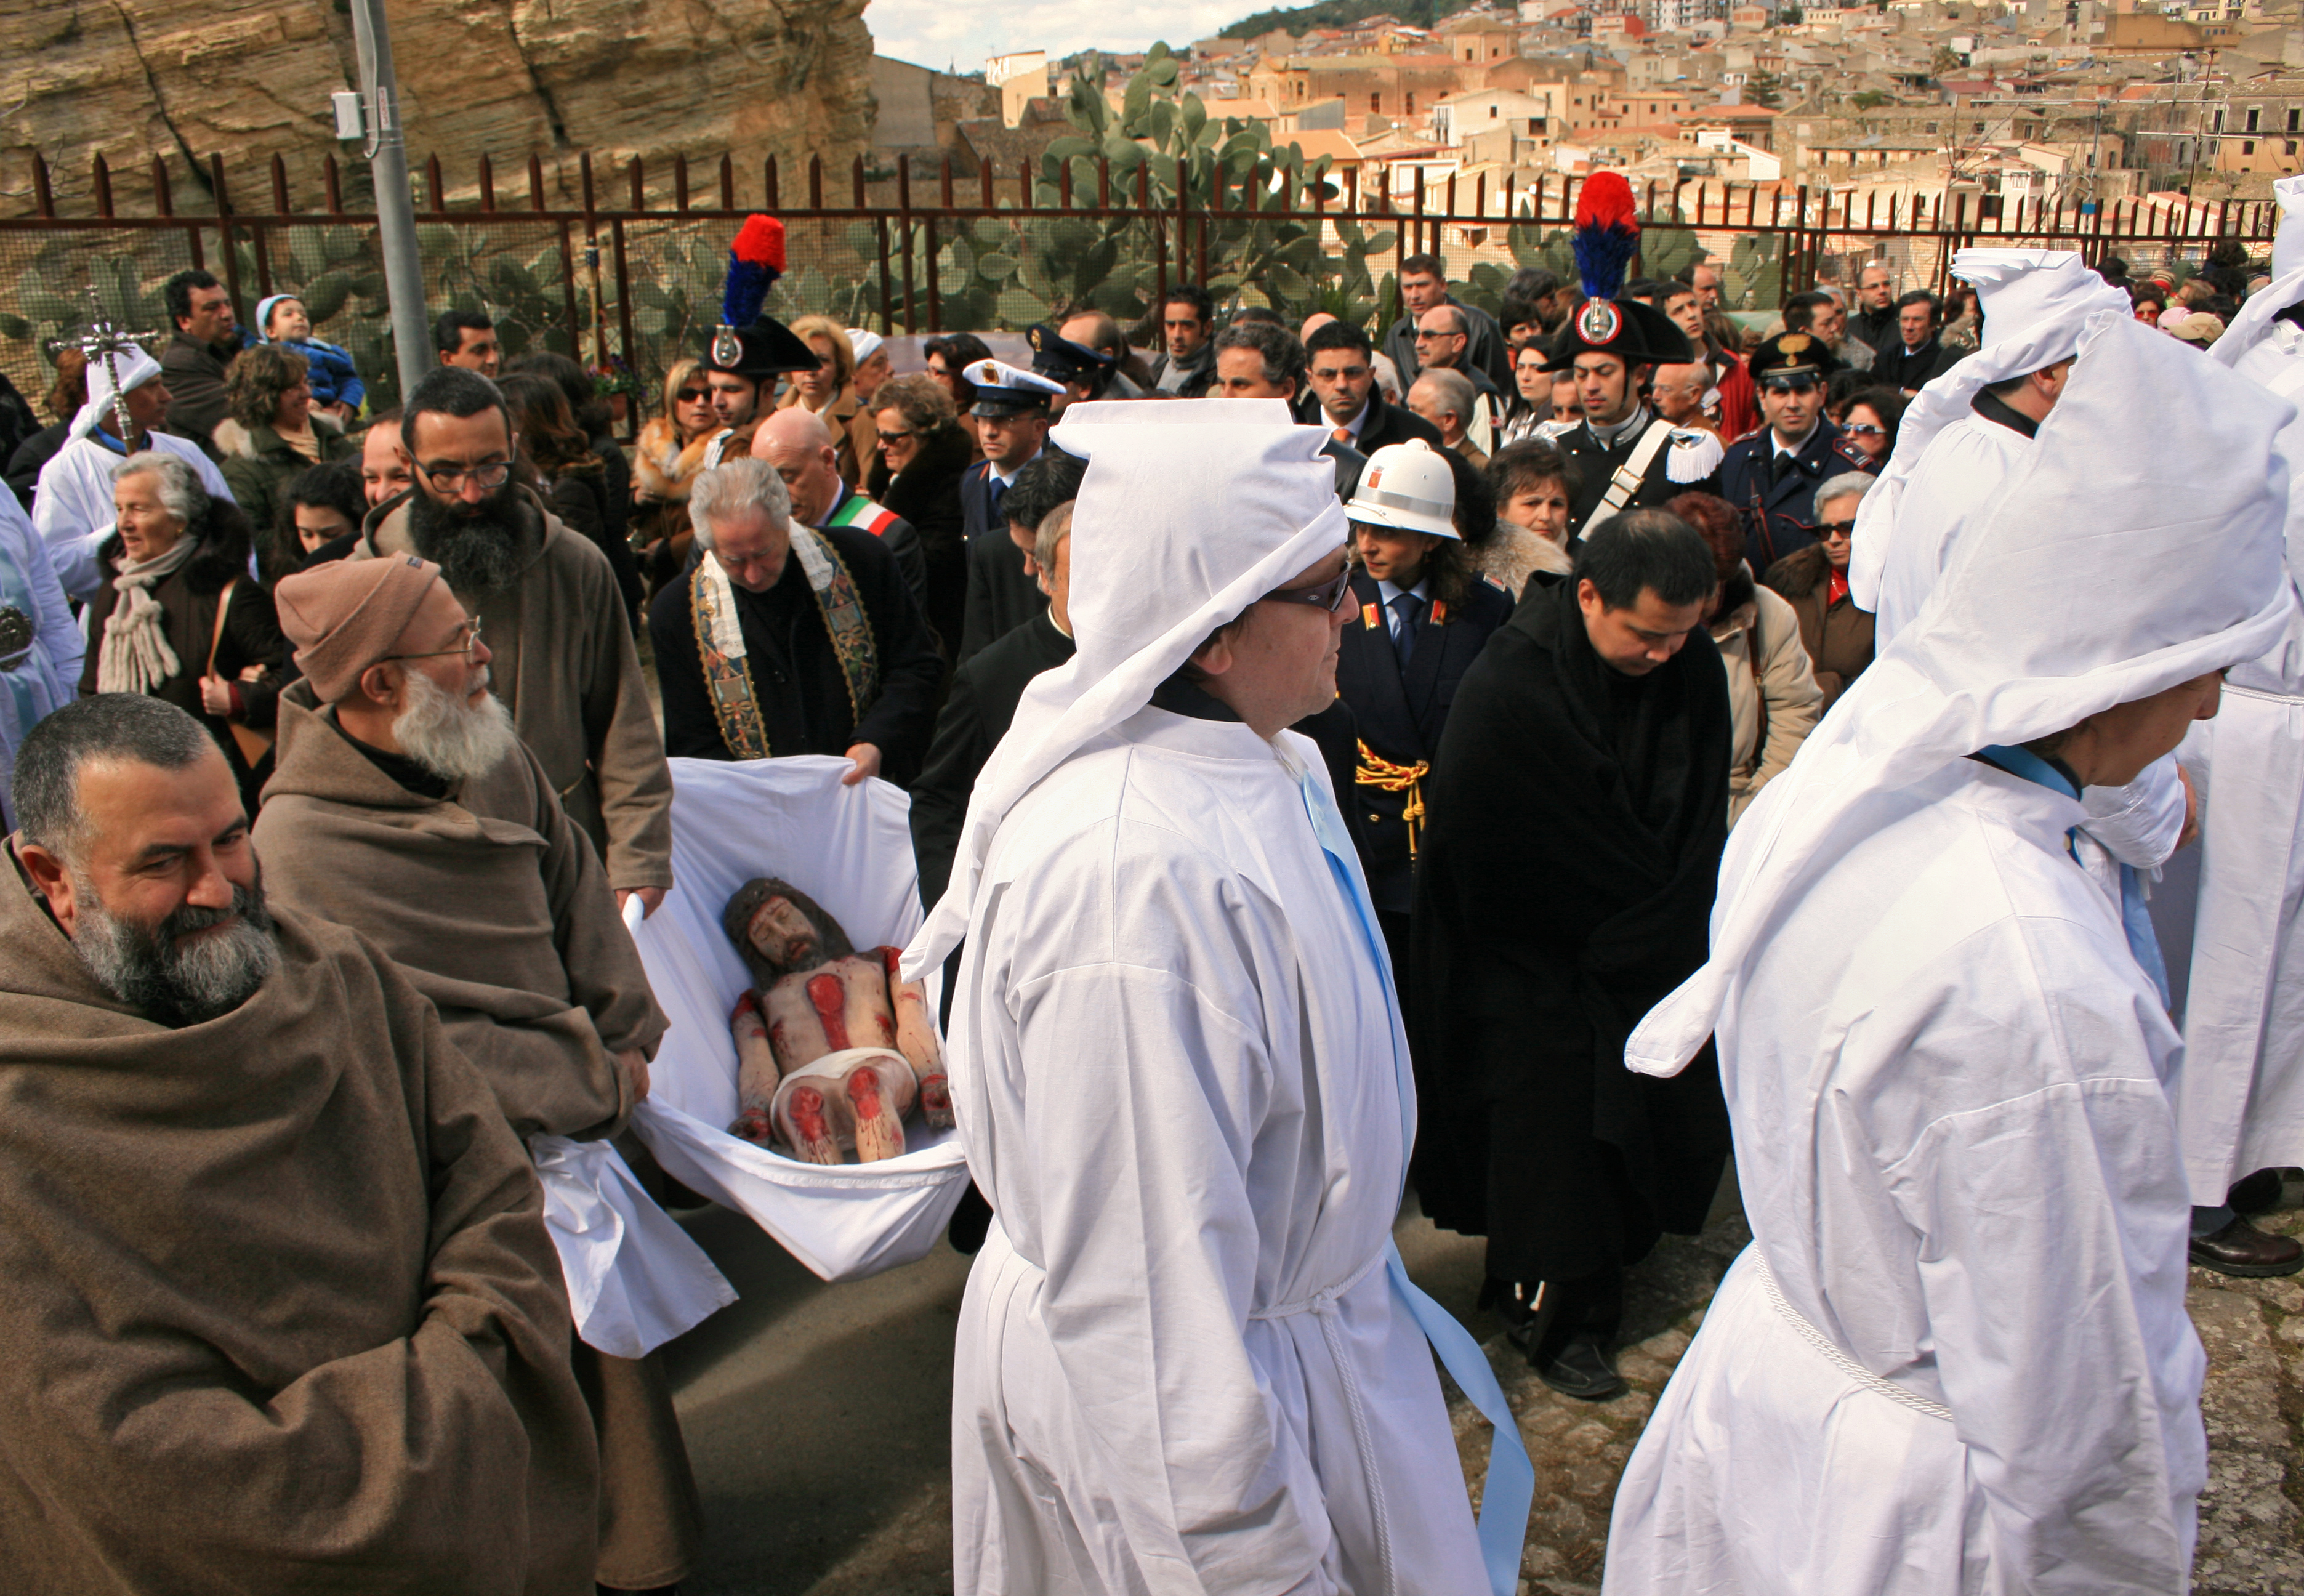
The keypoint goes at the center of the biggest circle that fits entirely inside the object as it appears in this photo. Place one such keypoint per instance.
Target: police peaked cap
(1054, 355)
(1635, 334)
(1794, 354)
(766, 348)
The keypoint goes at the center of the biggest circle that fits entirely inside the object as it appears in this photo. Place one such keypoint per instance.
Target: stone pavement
(819, 1483)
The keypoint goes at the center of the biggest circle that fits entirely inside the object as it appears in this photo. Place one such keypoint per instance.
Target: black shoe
(2259, 1193)
(2241, 1249)
(1585, 1370)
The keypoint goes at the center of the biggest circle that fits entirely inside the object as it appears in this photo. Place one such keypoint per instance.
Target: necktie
(1408, 609)
(999, 492)
(1343, 434)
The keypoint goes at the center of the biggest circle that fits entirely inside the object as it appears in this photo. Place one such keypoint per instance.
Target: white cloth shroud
(849, 848)
(635, 1278)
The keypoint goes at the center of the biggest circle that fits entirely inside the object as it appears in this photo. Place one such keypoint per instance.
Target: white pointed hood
(2035, 302)
(2288, 244)
(136, 369)
(2113, 569)
(1190, 510)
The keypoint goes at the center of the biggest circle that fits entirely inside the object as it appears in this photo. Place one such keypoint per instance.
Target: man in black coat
(781, 639)
(1424, 284)
(1011, 412)
(1423, 617)
(1577, 813)
(1187, 365)
(199, 358)
(1771, 477)
(1340, 367)
(1610, 346)
(1913, 355)
(1255, 359)
(984, 694)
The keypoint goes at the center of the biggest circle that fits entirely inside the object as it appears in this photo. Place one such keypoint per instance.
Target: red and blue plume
(755, 261)
(1608, 234)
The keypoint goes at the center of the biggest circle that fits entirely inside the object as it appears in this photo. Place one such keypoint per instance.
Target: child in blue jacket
(337, 386)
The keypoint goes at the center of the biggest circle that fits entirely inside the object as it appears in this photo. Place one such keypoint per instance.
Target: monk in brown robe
(278, 1314)
(405, 806)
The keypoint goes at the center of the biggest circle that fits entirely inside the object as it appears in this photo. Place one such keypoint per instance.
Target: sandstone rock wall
(129, 78)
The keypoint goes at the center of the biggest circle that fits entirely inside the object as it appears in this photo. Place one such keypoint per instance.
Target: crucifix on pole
(104, 340)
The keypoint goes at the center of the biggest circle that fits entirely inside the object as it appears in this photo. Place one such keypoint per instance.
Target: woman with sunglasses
(1870, 428)
(671, 453)
(1838, 635)
(923, 453)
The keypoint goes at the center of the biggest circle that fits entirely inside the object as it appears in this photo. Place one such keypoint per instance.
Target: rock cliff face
(129, 78)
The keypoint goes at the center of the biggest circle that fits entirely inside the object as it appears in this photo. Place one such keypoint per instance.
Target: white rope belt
(2262, 697)
(1318, 1299)
(1838, 1356)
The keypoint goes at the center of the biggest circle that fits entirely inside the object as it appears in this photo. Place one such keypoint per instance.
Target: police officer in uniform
(1086, 373)
(1626, 456)
(759, 351)
(1771, 475)
(1422, 618)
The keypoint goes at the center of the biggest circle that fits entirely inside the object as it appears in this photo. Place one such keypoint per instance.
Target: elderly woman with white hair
(1836, 634)
(179, 617)
(1955, 1356)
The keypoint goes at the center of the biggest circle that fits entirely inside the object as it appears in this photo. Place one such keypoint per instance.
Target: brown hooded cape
(277, 1309)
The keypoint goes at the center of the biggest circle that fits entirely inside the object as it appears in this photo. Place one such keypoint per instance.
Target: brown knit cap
(347, 614)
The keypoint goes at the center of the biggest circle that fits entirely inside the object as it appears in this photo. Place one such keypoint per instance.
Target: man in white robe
(1956, 1356)
(1959, 449)
(72, 507)
(1188, 1359)
(2241, 1106)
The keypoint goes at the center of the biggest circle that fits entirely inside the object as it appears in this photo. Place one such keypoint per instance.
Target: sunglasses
(694, 395)
(896, 438)
(1835, 529)
(1329, 595)
(1864, 429)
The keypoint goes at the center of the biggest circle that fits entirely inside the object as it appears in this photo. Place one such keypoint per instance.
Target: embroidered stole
(720, 641)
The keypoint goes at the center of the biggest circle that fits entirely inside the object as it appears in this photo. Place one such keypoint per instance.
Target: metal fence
(627, 264)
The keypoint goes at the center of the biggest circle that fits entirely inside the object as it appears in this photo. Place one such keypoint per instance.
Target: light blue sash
(1510, 1487)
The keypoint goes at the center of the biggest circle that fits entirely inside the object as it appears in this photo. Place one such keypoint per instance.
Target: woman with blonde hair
(829, 392)
(670, 455)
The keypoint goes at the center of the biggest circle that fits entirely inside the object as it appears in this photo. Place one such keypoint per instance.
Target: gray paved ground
(817, 1417)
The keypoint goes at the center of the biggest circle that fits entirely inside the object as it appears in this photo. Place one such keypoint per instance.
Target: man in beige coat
(278, 1312)
(565, 662)
(405, 806)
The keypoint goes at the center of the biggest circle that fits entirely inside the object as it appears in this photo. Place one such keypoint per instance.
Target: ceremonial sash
(860, 512)
(720, 641)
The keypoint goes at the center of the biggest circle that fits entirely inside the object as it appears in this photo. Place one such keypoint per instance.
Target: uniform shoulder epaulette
(1695, 454)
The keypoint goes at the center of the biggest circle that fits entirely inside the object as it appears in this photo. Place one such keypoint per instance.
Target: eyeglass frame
(471, 642)
(886, 439)
(1829, 529)
(1863, 429)
(451, 480)
(1327, 596)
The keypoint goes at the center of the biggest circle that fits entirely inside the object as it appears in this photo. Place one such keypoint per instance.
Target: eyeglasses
(1863, 429)
(896, 438)
(694, 395)
(1835, 529)
(447, 479)
(1329, 595)
(1422, 335)
(469, 632)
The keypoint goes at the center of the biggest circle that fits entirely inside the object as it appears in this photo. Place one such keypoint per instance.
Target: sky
(944, 34)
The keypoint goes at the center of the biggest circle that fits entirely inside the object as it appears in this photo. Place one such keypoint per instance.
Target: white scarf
(134, 656)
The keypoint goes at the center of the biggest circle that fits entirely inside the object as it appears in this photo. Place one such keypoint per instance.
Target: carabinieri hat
(1003, 390)
(1054, 355)
(748, 342)
(1795, 357)
(1635, 334)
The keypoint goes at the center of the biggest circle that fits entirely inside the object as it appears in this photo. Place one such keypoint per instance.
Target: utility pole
(375, 113)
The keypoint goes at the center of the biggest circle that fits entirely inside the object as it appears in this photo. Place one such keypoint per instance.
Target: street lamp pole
(396, 211)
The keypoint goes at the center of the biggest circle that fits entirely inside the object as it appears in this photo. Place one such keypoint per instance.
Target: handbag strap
(223, 607)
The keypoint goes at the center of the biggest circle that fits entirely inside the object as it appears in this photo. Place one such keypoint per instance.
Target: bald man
(807, 456)
(1678, 392)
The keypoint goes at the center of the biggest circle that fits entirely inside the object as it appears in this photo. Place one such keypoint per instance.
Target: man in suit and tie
(1771, 477)
(1011, 424)
(1423, 617)
(1255, 360)
(1341, 366)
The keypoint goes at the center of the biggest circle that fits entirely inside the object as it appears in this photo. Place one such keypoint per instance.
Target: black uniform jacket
(1398, 714)
(999, 597)
(796, 675)
(1597, 465)
(1778, 501)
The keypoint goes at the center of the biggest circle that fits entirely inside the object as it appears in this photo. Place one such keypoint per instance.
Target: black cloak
(1571, 848)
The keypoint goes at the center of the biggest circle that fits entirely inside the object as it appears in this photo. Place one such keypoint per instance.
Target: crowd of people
(1530, 758)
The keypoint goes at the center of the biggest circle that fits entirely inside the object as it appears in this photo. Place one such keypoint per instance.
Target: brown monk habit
(277, 1309)
(494, 905)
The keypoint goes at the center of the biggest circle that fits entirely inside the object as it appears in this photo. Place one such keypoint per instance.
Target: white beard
(454, 740)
